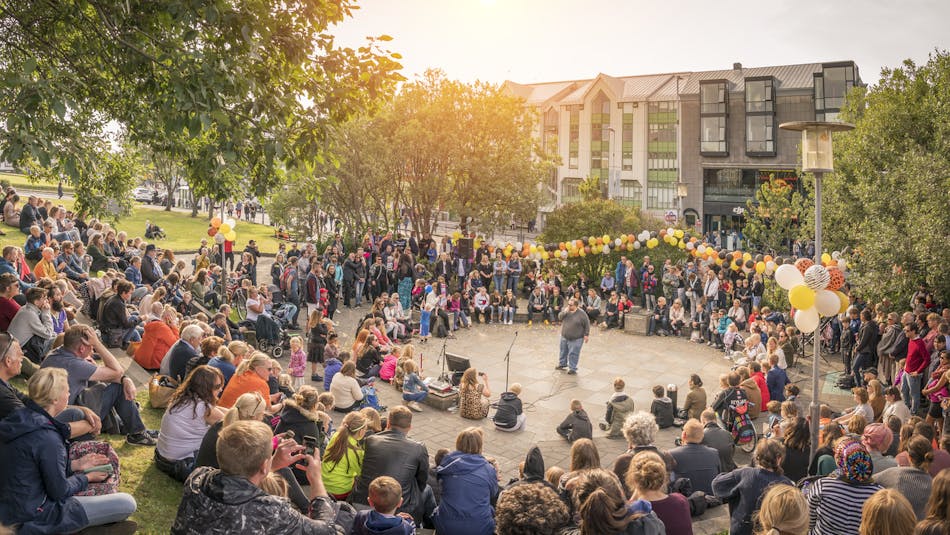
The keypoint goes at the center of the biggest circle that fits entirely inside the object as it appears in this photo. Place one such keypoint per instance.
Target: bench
(636, 323)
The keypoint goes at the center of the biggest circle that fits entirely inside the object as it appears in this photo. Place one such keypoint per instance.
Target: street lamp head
(817, 154)
(681, 189)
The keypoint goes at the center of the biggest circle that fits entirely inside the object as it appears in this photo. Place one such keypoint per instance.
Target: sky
(530, 41)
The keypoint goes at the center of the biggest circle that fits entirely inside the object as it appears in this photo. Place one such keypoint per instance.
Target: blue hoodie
(34, 482)
(369, 522)
(469, 485)
(330, 369)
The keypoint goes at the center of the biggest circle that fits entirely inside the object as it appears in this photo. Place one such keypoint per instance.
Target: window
(574, 136)
(549, 139)
(713, 111)
(631, 193)
(760, 117)
(729, 185)
(713, 132)
(831, 86)
(600, 137)
(570, 190)
(662, 171)
(627, 137)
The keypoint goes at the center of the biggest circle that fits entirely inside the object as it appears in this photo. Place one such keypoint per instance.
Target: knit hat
(877, 437)
(853, 460)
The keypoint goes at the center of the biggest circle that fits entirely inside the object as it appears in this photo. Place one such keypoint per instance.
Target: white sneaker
(414, 405)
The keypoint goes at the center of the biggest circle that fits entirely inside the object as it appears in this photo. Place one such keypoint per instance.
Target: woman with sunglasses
(191, 412)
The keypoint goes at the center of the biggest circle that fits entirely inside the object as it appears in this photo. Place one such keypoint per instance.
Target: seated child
(509, 415)
(731, 338)
(619, 407)
(662, 407)
(385, 497)
(577, 424)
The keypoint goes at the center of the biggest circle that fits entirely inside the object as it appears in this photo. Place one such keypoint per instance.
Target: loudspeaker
(466, 247)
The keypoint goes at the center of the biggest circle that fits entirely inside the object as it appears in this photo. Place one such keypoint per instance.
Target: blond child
(298, 362)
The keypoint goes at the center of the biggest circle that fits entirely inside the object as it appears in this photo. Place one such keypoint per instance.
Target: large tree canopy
(888, 198)
(259, 83)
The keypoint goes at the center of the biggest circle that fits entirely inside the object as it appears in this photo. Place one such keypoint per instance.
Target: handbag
(160, 390)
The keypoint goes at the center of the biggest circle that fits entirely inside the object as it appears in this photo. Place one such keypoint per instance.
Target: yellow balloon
(629, 246)
(825, 258)
(224, 229)
(606, 238)
(230, 236)
(845, 302)
(760, 267)
(652, 242)
(801, 297)
(581, 253)
(533, 248)
(747, 256)
(544, 255)
(682, 245)
(678, 233)
(591, 241)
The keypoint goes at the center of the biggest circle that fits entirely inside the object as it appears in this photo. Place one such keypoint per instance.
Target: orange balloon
(768, 258)
(600, 241)
(837, 278)
(803, 264)
(215, 222)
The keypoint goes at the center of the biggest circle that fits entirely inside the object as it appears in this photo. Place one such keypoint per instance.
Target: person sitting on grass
(577, 424)
(230, 500)
(385, 497)
(619, 407)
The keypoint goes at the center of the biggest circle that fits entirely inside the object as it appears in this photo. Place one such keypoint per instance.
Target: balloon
(224, 228)
(836, 255)
(652, 242)
(767, 258)
(630, 245)
(563, 254)
(533, 248)
(582, 252)
(845, 302)
(801, 297)
(825, 258)
(690, 246)
(760, 267)
(636, 245)
(788, 277)
(618, 242)
(606, 249)
(544, 255)
(456, 234)
(606, 238)
(219, 238)
(807, 320)
(682, 245)
(678, 233)
(770, 265)
(803, 264)
(817, 277)
(749, 263)
(835, 278)
(827, 303)
(701, 249)
(598, 241)
(428, 288)
(842, 264)
(215, 222)
(230, 221)
(518, 246)
(230, 236)
(747, 257)
(212, 231)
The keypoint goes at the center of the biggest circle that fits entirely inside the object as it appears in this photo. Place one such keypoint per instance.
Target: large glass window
(549, 140)
(760, 117)
(758, 96)
(574, 136)
(627, 137)
(713, 135)
(570, 190)
(662, 171)
(759, 136)
(729, 185)
(714, 102)
(600, 137)
(631, 193)
(831, 85)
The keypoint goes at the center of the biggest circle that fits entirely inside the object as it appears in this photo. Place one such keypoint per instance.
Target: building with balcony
(689, 145)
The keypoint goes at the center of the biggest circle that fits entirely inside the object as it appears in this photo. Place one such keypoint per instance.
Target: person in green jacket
(343, 460)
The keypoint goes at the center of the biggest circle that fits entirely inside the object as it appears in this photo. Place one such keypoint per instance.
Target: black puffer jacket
(215, 502)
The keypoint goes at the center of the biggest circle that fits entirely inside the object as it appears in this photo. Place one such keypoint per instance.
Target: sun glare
(487, 2)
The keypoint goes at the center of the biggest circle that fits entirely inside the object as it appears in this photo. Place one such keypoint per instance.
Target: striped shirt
(835, 506)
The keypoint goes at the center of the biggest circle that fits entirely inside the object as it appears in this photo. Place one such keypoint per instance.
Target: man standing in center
(575, 330)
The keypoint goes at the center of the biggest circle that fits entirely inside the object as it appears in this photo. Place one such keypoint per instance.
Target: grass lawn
(19, 181)
(184, 232)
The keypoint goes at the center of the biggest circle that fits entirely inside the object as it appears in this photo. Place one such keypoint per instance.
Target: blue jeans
(114, 397)
(662, 323)
(415, 396)
(508, 314)
(513, 283)
(861, 362)
(570, 352)
(461, 319)
(107, 509)
(499, 282)
(910, 392)
(359, 292)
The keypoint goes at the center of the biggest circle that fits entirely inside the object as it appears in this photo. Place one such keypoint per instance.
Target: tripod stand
(508, 360)
(444, 376)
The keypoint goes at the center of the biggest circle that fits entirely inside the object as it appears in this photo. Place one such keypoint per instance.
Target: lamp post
(817, 158)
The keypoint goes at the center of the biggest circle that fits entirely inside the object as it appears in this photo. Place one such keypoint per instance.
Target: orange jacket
(249, 381)
(158, 338)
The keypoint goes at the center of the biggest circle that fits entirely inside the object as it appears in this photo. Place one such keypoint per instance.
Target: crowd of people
(258, 450)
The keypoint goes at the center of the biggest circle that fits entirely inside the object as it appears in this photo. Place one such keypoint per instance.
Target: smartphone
(310, 445)
(289, 434)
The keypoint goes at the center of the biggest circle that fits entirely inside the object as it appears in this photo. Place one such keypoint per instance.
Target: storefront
(726, 193)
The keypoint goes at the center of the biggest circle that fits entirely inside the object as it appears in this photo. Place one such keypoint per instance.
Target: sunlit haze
(545, 40)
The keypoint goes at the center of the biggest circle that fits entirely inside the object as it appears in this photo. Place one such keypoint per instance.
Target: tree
(774, 219)
(887, 199)
(260, 83)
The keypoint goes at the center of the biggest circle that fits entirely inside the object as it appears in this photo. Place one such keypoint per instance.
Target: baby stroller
(271, 337)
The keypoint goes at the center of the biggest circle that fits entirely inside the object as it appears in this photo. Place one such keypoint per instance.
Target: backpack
(285, 279)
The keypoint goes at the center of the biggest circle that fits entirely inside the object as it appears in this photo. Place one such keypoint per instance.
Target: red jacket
(158, 338)
(917, 357)
(763, 388)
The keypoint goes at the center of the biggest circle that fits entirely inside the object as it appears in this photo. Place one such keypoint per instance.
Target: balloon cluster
(222, 230)
(813, 290)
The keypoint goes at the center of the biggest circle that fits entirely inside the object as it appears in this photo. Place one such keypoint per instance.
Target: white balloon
(842, 264)
(836, 255)
(606, 249)
(636, 245)
(770, 266)
(807, 320)
(827, 303)
(231, 222)
(787, 276)
(518, 246)
(617, 242)
(219, 238)
(690, 246)
(563, 254)
(701, 249)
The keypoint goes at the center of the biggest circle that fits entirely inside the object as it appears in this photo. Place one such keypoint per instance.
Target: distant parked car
(143, 194)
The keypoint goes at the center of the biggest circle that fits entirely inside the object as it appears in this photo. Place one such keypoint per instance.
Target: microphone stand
(508, 360)
(444, 376)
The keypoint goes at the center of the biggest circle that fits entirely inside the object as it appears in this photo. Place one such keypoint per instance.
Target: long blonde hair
(256, 359)
(248, 406)
(783, 510)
